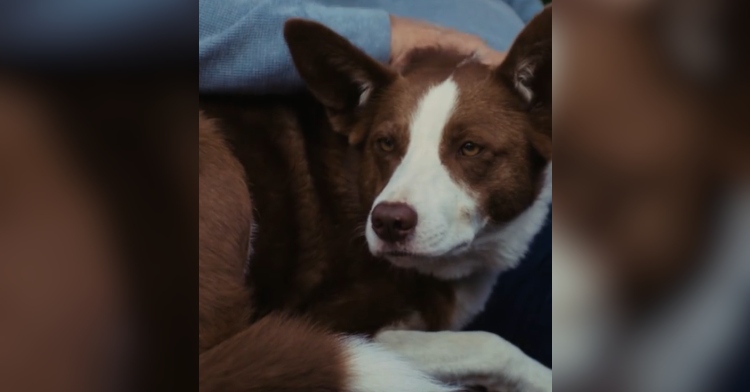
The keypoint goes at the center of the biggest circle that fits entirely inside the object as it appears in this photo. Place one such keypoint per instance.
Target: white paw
(470, 358)
(373, 368)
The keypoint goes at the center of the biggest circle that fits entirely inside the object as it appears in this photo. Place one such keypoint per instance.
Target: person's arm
(526, 9)
(242, 49)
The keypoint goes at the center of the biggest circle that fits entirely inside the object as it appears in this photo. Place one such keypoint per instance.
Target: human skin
(408, 34)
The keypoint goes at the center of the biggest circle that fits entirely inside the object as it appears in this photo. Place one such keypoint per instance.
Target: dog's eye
(470, 149)
(386, 144)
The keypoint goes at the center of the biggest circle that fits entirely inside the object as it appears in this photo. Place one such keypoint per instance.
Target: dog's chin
(405, 256)
(442, 258)
(426, 254)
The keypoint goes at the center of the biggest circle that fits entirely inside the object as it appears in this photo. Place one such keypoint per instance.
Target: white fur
(472, 293)
(448, 215)
(470, 358)
(364, 95)
(372, 368)
(524, 74)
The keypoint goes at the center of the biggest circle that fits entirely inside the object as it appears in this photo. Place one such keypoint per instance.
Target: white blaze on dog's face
(448, 212)
(451, 150)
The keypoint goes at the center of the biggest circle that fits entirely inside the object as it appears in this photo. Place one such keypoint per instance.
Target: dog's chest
(471, 295)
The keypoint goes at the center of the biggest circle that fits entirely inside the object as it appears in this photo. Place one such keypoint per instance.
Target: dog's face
(449, 146)
(447, 154)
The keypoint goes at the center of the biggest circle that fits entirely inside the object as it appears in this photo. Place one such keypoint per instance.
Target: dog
(382, 204)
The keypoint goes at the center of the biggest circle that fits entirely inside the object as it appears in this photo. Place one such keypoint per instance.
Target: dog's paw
(470, 358)
(373, 368)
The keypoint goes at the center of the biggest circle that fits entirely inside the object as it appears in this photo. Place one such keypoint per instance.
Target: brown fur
(507, 172)
(313, 240)
(224, 232)
(274, 354)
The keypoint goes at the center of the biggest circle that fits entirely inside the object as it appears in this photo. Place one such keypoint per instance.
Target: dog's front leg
(470, 359)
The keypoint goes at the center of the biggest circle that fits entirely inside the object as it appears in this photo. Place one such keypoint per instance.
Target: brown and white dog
(387, 200)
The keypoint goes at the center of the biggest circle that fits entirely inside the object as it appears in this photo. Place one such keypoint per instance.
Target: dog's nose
(393, 222)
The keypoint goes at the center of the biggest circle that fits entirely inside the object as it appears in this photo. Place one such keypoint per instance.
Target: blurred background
(651, 260)
(98, 267)
(98, 201)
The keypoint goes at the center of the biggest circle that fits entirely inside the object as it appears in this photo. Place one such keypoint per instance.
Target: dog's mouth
(459, 248)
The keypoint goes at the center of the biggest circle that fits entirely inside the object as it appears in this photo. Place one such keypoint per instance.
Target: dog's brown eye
(470, 149)
(386, 144)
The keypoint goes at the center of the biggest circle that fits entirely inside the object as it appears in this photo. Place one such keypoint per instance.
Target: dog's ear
(527, 70)
(338, 74)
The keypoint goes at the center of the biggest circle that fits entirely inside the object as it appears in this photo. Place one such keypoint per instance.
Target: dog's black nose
(393, 222)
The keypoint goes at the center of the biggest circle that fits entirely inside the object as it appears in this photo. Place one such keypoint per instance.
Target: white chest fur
(472, 294)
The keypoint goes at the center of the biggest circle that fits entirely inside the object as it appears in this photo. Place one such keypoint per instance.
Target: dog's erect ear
(528, 71)
(337, 73)
(528, 66)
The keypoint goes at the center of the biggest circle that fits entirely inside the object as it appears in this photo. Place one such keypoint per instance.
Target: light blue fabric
(241, 47)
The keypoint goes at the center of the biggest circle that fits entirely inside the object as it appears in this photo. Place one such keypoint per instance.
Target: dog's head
(450, 147)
